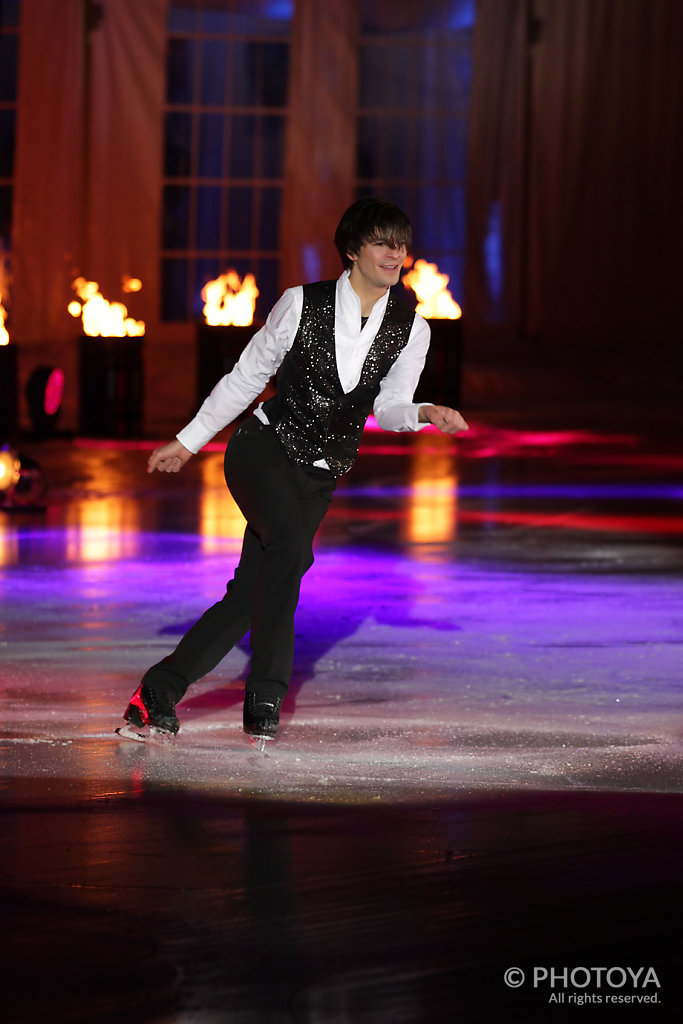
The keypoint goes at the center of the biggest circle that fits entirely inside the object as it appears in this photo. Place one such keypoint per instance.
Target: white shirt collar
(348, 303)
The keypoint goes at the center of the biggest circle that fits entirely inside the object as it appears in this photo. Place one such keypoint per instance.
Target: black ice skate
(149, 713)
(261, 717)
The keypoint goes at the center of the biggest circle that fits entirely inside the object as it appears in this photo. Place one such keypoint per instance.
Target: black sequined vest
(311, 414)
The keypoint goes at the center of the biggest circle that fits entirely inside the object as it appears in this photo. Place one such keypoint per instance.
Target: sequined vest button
(311, 414)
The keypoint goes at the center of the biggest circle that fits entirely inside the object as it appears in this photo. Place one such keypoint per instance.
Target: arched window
(225, 128)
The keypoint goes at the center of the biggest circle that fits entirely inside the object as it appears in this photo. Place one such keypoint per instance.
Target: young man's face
(378, 264)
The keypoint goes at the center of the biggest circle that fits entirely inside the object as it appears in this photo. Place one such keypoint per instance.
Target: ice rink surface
(479, 765)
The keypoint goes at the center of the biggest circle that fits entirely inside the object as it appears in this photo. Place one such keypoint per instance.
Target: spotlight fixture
(10, 469)
(21, 482)
(44, 393)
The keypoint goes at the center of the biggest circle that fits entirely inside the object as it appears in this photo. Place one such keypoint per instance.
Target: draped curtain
(47, 228)
(495, 171)
(88, 154)
(606, 169)
(574, 171)
(321, 137)
(127, 79)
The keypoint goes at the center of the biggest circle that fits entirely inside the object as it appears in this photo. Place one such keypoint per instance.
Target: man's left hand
(449, 421)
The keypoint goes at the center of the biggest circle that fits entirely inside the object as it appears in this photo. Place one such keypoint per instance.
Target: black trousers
(284, 505)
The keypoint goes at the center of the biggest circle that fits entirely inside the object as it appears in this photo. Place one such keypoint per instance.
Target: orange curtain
(575, 164)
(321, 137)
(495, 171)
(124, 159)
(87, 168)
(47, 236)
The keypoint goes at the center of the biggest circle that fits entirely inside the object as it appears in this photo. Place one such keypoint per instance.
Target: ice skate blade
(260, 742)
(142, 734)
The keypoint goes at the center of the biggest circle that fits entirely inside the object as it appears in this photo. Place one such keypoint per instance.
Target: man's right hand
(170, 458)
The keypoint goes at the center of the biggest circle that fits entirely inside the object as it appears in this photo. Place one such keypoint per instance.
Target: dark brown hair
(371, 219)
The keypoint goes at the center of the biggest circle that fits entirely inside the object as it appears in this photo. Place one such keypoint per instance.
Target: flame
(4, 333)
(131, 284)
(229, 300)
(431, 288)
(100, 317)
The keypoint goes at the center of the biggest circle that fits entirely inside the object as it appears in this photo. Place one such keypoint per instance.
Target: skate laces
(158, 702)
(264, 702)
(271, 703)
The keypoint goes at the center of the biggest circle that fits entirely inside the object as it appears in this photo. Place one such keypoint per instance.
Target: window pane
(267, 282)
(396, 131)
(429, 147)
(174, 289)
(440, 225)
(372, 90)
(176, 217)
(242, 146)
(8, 67)
(243, 265)
(244, 73)
(6, 143)
(275, 70)
(5, 214)
(368, 147)
(208, 218)
(269, 222)
(276, 16)
(429, 86)
(227, 61)
(398, 194)
(452, 202)
(389, 76)
(9, 13)
(178, 145)
(394, 20)
(455, 77)
(213, 67)
(455, 148)
(214, 21)
(179, 71)
(402, 71)
(181, 17)
(415, 73)
(204, 270)
(272, 146)
(240, 218)
(210, 145)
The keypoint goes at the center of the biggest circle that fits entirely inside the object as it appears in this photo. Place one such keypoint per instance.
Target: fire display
(100, 317)
(440, 380)
(4, 333)
(228, 325)
(229, 300)
(431, 287)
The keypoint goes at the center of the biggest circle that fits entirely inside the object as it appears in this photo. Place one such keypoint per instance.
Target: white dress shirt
(394, 408)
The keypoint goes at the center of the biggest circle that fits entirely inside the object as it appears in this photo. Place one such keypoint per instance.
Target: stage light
(10, 469)
(44, 393)
(22, 484)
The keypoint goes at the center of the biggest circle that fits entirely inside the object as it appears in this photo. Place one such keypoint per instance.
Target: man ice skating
(343, 349)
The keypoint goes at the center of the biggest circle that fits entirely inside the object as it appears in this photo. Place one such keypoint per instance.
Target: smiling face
(377, 265)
